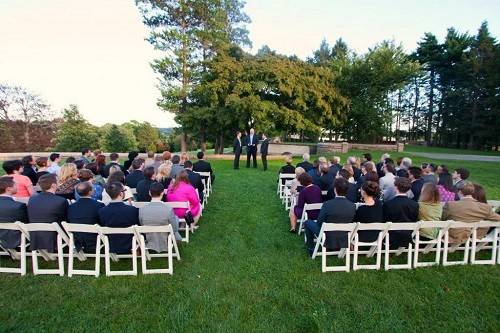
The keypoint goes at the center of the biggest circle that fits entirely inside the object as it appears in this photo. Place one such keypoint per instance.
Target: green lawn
(242, 271)
(423, 149)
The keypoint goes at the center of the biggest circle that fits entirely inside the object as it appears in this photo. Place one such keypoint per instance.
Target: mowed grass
(242, 271)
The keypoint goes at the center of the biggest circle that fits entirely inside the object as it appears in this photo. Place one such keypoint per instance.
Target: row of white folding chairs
(419, 246)
(66, 239)
(282, 179)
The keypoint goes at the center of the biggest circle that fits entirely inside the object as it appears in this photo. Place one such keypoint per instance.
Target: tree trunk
(428, 132)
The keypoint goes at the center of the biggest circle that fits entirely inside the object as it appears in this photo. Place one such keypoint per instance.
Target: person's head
(70, 159)
(188, 165)
(86, 152)
(100, 160)
(68, 171)
(430, 194)
(402, 185)
(299, 171)
(479, 194)
(149, 172)
(114, 157)
(367, 157)
(84, 189)
(442, 169)
(389, 168)
(306, 157)
(252, 131)
(117, 176)
(138, 164)
(182, 177)
(97, 152)
(264, 136)
(315, 164)
(288, 159)
(85, 175)
(176, 159)
(55, 158)
(132, 155)
(158, 158)
(322, 159)
(343, 173)
(460, 174)
(200, 155)
(42, 162)
(305, 179)
(368, 166)
(28, 161)
(12, 167)
(371, 176)
(389, 160)
(370, 189)
(151, 155)
(324, 168)
(238, 134)
(48, 183)
(7, 186)
(351, 160)
(403, 173)
(115, 190)
(349, 169)
(466, 190)
(341, 186)
(93, 168)
(164, 171)
(384, 157)
(414, 173)
(446, 180)
(79, 164)
(405, 163)
(335, 160)
(431, 168)
(114, 168)
(156, 190)
(166, 155)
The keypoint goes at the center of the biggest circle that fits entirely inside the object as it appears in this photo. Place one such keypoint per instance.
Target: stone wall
(380, 147)
(332, 147)
(281, 148)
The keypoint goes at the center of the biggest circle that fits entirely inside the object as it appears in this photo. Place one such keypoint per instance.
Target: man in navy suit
(264, 150)
(203, 166)
(85, 211)
(415, 176)
(251, 143)
(194, 179)
(237, 150)
(118, 215)
(47, 207)
(10, 211)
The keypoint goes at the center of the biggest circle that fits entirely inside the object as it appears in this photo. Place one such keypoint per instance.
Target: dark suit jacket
(264, 147)
(105, 171)
(85, 211)
(237, 146)
(334, 169)
(11, 211)
(195, 180)
(352, 193)
(204, 166)
(305, 165)
(31, 174)
(357, 173)
(119, 215)
(251, 146)
(338, 210)
(326, 181)
(380, 171)
(143, 190)
(133, 178)
(46, 208)
(416, 188)
(400, 209)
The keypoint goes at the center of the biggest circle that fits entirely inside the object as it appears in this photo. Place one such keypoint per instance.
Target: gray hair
(406, 163)
(336, 159)
(306, 156)
(384, 157)
(351, 160)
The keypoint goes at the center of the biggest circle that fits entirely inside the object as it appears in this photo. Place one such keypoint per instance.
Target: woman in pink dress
(445, 186)
(180, 191)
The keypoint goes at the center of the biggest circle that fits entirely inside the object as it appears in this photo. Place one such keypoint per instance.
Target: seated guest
(117, 176)
(305, 164)
(459, 176)
(403, 167)
(163, 174)
(176, 167)
(128, 163)
(335, 166)
(10, 211)
(203, 166)
(356, 171)
(309, 194)
(479, 194)
(180, 191)
(85, 211)
(166, 156)
(158, 160)
(380, 165)
(387, 182)
(367, 157)
(315, 172)
(415, 176)
(98, 178)
(184, 157)
(445, 187)
(157, 213)
(42, 167)
(80, 164)
(338, 210)
(118, 215)
(24, 185)
(367, 167)
(400, 209)
(442, 169)
(429, 173)
(46, 207)
(469, 210)
(288, 167)
(325, 182)
(194, 179)
(54, 167)
(86, 156)
(144, 185)
(29, 169)
(150, 159)
(68, 180)
(115, 161)
(87, 176)
(352, 191)
(348, 167)
(100, 161)
(295, 186)
(429, 209)
(371, 212)
(136, 174)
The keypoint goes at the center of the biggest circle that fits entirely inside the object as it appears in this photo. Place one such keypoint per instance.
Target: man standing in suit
(119, 215)
(251, 143)
(264, 147)
(85, 211)
(47, 207)
(237, 150)
(338, 210)
(194, 179)
(10, 211)
(203, 166)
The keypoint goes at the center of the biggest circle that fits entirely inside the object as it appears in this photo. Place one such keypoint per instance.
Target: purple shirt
(308, 195)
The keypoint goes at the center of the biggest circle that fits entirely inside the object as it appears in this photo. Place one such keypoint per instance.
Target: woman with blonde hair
(184, 158)
(163, 174)
(429, 208)
(68, 179)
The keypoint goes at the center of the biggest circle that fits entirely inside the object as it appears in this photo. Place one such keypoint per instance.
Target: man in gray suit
(157, 213)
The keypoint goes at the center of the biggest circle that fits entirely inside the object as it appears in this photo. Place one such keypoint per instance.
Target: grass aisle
(242, 271)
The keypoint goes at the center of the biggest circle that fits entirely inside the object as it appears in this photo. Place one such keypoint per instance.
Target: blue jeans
(312, 228)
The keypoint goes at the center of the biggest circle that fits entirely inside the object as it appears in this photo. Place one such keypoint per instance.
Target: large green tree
(76, 132)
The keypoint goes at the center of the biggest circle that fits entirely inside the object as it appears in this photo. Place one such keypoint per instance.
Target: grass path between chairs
(242, 271)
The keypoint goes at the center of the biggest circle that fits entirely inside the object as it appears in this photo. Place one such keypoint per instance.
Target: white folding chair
(62, 241)
(375, 246)
(205, 193)
(14, 254)
(323, 193)
(429, 245)
(305, 216)
(172, 249)
(410, 227)
(185, 227)
(140, 204)
(208, 179)
(85, 228)
(345, 252)
(24, 200)
(494, 204)
(456, 247)
(479, 244)
(282, 178)
(104, 233)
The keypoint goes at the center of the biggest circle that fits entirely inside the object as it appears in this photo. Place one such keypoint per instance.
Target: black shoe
(292, 231)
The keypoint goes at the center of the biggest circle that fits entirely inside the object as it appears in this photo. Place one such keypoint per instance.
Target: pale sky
(92, 53)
